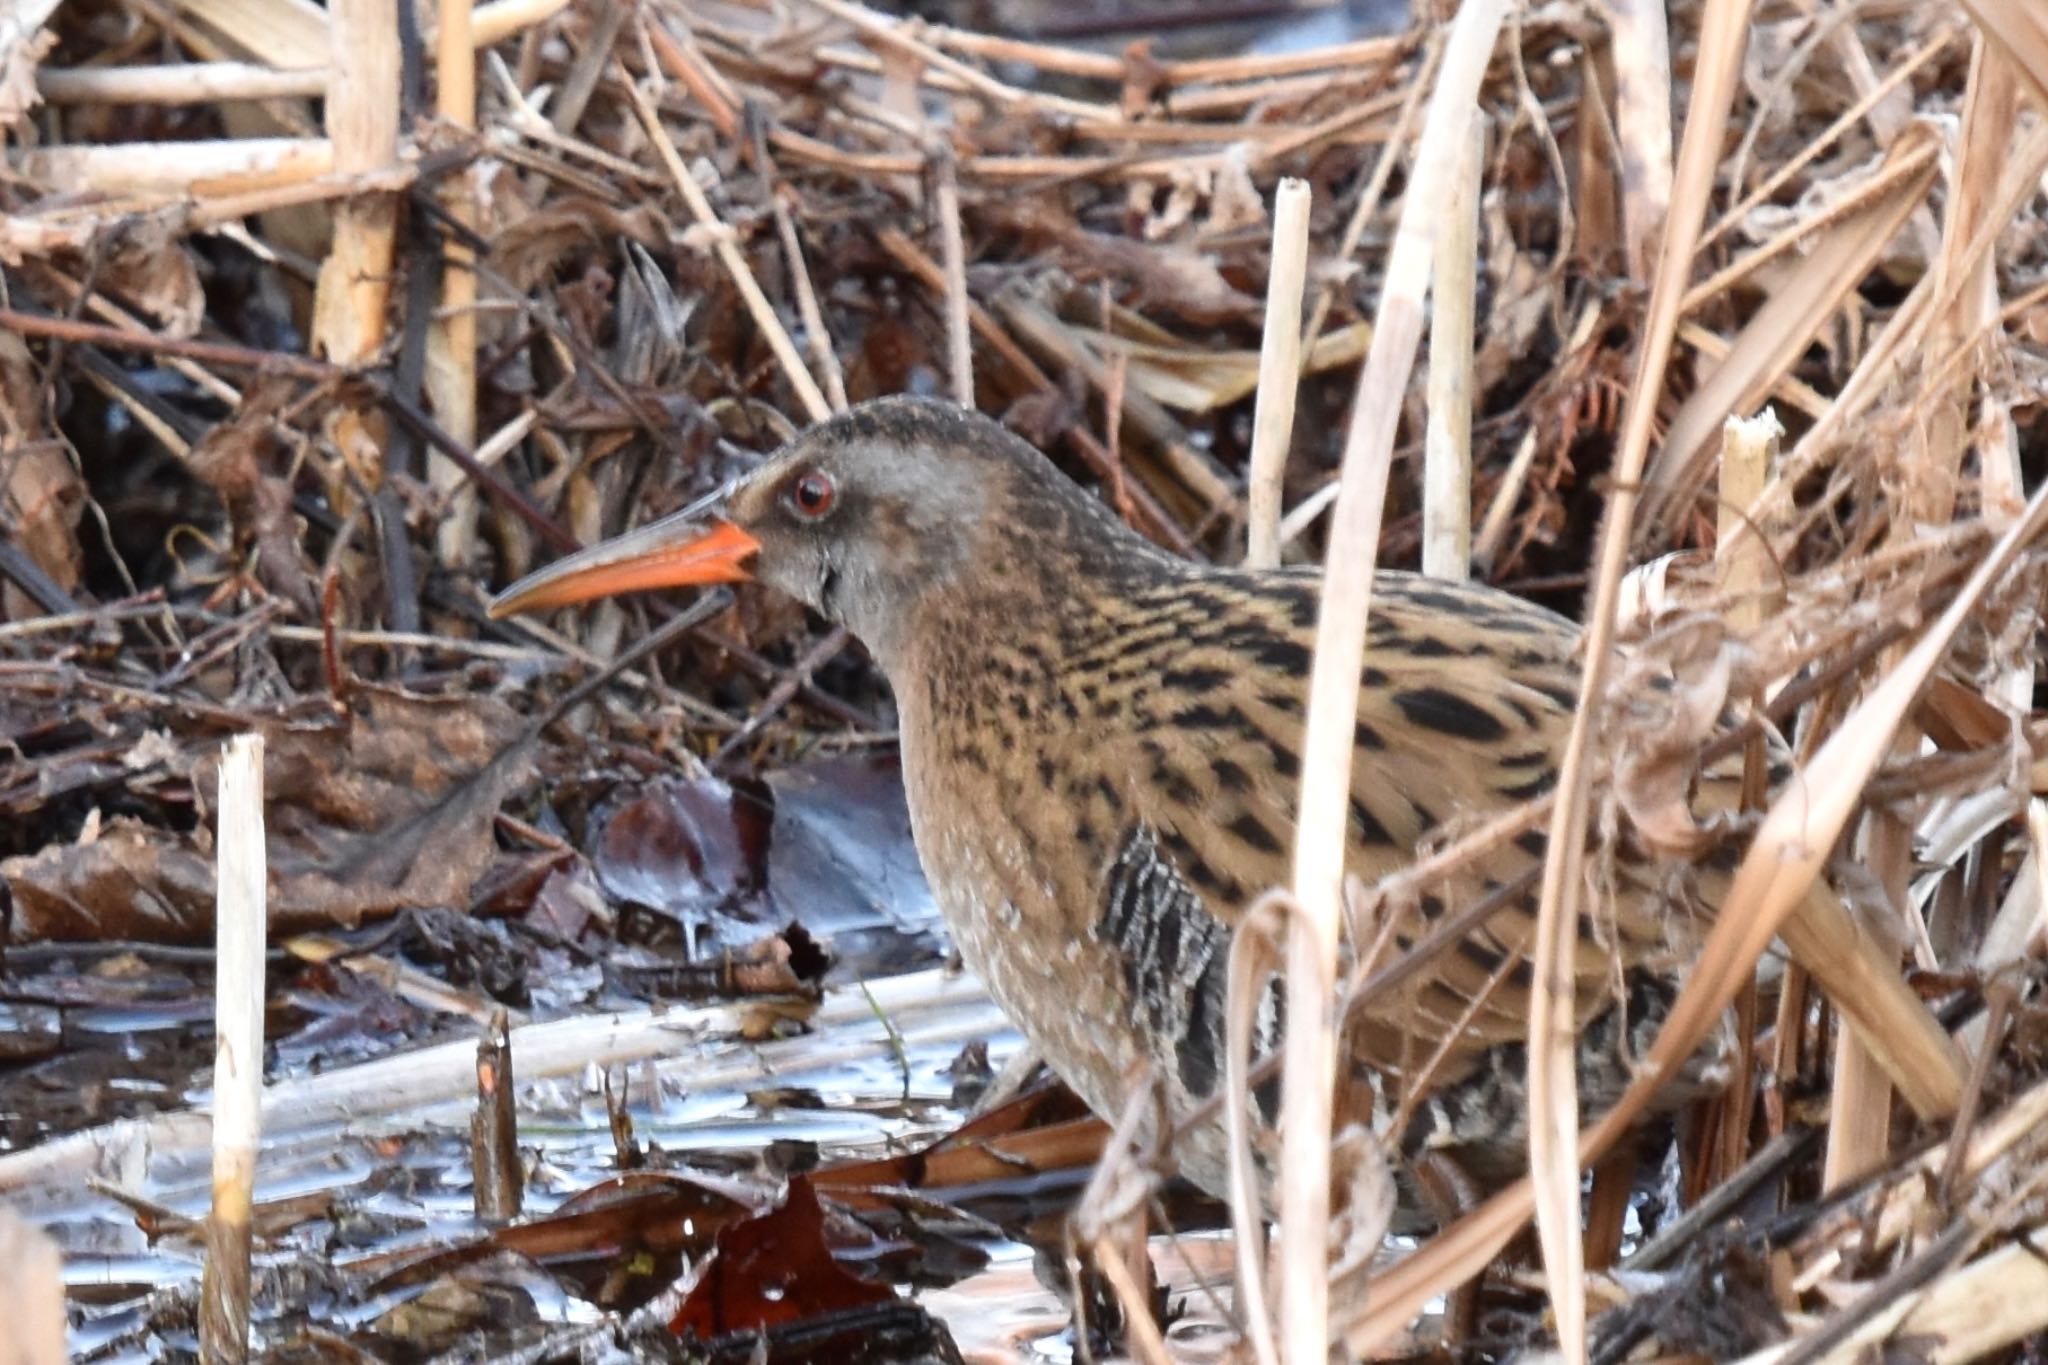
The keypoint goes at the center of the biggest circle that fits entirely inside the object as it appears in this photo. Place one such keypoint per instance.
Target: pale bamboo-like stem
(758, 307)
(1553, 1086)
(1749, 451)
(31, 1293)
(1642, 125)
(1333, 697)
(1742, 555)
(362, 119)
(160, 170)
(953, 259)
(218, 82)
(1447, 443)
(241, 923)
(1279, 373)
(1254, 956)
(177, 83)
(450, 376)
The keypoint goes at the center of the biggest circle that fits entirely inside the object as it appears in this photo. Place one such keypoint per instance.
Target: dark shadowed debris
(387, 806)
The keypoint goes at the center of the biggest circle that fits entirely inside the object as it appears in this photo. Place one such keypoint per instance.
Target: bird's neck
(1039, 586)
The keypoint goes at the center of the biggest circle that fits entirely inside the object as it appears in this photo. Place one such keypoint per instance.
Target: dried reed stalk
(1642, 127)
(1280, 345)
(362, 120)
(953, 259)
(1447, 445)
(815, 330)
(1773, 883)
(1333, 695)
(31, 1294)
(1743, 564)
(241, 922)
(179, 83)
(450, 372)
(155, 171)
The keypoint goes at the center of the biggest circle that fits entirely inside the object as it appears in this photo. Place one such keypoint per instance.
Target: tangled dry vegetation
(310, 340)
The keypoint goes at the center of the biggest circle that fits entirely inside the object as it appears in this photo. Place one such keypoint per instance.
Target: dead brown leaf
(238, 460)
(1673, 693)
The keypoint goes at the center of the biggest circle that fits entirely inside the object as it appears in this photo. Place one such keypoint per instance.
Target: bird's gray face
(863, 525)
(862, 528)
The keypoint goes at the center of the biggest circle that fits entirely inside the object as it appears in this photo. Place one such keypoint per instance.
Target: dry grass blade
(1934, 47)
(1907, 328)
(2022, 31)
(1553, 1094)
(1786, 856)
(1775, 875)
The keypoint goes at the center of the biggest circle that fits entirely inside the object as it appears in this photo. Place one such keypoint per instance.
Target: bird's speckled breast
(1002, 897)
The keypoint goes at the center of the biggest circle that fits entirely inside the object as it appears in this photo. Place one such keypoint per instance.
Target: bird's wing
(1468, 695)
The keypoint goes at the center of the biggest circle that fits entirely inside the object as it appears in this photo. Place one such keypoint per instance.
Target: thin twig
(953, 258)
(722, 242)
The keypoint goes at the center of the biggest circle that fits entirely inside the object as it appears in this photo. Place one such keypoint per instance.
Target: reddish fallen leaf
(772, 1270)
(826, 845)
(684, 848)
(1042, 1131)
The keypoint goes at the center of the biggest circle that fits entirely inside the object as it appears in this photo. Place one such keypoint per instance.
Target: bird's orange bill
(668, 554)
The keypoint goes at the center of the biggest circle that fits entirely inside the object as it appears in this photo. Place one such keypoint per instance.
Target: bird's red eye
(811, 494)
